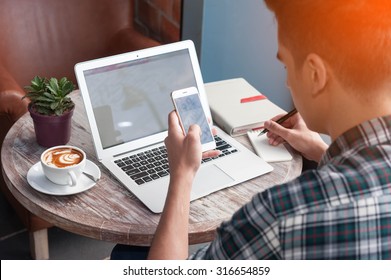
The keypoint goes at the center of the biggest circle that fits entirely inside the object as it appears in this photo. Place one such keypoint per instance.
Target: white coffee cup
(63, 165)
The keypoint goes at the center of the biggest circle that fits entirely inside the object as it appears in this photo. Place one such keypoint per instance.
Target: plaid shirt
(341, 210)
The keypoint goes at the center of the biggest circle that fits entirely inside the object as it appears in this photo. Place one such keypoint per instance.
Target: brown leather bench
(47, 38)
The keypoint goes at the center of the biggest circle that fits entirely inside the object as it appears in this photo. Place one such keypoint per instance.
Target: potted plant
(51, 110)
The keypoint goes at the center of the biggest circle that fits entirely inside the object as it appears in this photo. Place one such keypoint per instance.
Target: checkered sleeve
(252, 233)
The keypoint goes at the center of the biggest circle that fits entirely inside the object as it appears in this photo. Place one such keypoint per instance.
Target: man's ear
(317, 74)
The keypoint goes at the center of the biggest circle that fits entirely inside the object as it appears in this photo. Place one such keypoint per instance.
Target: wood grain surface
(108, 211)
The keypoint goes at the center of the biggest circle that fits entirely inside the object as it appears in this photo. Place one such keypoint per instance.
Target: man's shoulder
(303, 194)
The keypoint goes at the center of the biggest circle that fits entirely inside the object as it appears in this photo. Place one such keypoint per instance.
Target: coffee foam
(63, 157)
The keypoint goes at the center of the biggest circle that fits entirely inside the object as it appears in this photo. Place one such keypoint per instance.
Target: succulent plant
(49, 96)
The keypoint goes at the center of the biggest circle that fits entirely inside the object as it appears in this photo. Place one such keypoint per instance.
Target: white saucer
(39, 182)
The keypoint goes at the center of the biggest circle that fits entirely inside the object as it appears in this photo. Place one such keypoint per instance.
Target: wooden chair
(47, 38)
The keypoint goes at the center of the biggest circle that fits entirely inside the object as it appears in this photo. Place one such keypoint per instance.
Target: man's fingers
(211, 153)
(172, 119)
(275, 128)
(274, 139)
(194, 128)
(173, 123)
(214, 131)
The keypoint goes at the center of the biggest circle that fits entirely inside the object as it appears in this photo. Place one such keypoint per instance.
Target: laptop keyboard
(152, 164)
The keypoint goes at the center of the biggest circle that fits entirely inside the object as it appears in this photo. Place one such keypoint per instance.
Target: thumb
(194, 130)
(277, 129)
(194, 135)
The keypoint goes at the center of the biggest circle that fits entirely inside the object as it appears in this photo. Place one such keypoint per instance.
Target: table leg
(39, 244)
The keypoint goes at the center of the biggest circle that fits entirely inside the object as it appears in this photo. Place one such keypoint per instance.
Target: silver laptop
(127, 100)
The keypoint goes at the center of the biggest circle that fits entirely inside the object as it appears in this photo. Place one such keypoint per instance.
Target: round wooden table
(108, 211)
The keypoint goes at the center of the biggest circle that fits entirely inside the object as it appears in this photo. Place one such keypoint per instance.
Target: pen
(281, 120)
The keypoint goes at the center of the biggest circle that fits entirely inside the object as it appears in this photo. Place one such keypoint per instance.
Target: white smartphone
(189, 108)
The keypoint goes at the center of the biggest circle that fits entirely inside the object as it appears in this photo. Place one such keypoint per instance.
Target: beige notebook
(266, 151)
(238, 107)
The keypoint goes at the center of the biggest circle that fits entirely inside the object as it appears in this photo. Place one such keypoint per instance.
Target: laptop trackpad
(209, 179)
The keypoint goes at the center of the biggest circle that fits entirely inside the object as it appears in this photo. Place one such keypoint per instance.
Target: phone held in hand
(190, 111)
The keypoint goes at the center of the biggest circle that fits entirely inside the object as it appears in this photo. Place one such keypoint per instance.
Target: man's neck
(348, 111)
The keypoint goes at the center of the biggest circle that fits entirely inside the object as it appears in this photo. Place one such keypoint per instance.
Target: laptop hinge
(135, 151)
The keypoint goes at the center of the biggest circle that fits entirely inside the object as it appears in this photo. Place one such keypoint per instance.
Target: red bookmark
(257, 128)
(252, 98)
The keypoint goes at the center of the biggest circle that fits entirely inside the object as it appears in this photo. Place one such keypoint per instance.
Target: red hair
(352, 36)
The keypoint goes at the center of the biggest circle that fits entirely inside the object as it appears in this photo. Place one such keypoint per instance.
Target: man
(338, 61)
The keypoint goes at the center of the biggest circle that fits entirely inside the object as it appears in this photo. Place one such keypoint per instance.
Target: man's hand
(184, 152)
(296, 133)
(184, 156)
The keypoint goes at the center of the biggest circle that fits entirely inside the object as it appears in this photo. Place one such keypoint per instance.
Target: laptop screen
(131, 100)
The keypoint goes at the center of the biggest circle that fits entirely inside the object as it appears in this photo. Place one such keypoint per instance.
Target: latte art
(63, 157)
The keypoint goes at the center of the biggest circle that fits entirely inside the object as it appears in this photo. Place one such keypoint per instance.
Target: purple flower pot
(52, 130)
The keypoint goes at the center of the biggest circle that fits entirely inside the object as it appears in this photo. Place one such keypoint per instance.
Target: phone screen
(191, 112)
